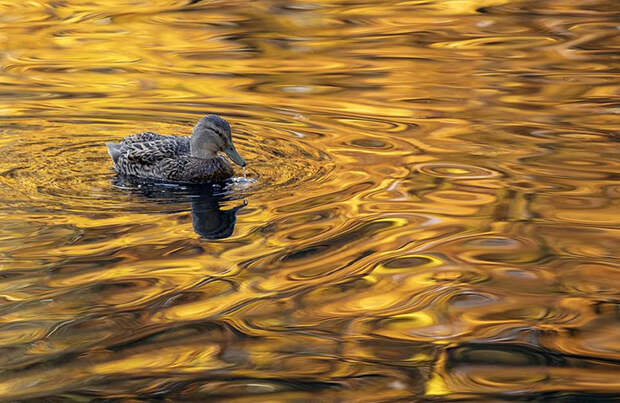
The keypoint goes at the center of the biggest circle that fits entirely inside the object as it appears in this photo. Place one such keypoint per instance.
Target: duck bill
(234, 156)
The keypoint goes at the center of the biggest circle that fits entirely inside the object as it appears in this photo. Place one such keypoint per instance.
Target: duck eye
(222, 136)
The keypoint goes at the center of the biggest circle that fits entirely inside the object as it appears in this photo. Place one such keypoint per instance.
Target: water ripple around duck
(77, 175)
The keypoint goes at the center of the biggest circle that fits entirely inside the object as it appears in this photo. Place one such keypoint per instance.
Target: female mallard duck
(192, 159)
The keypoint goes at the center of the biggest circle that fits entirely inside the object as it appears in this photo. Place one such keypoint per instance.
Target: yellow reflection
(429, 175)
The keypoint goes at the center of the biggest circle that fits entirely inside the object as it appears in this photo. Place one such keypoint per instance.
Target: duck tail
(114, 149)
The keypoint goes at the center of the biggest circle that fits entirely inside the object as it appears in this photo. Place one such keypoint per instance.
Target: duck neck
(199, 148)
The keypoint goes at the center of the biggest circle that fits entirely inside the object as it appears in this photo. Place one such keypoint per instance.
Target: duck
(179, 159)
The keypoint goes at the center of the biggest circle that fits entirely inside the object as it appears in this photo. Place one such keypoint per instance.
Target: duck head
(211, 135)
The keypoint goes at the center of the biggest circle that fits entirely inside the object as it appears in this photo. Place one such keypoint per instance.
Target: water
(430, 209)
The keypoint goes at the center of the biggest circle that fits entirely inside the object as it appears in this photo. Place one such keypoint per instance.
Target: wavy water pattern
(430, 210)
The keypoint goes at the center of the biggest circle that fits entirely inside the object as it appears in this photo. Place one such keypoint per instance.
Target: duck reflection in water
(208, 219)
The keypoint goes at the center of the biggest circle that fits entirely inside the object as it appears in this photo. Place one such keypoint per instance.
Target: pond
(431, 209)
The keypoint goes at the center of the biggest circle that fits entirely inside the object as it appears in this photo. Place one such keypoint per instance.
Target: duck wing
(149, 147)
(142, 137)
(149, 152)
(148, 137)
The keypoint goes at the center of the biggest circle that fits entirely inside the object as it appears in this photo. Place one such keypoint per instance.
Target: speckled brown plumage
(166, 158)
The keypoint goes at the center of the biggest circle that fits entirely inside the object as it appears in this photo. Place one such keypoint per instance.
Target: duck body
(154, 156)
(178, 159)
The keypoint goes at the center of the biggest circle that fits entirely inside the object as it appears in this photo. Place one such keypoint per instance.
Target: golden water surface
(431, 210)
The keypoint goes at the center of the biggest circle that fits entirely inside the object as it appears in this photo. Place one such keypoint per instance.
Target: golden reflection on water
(435, 212)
